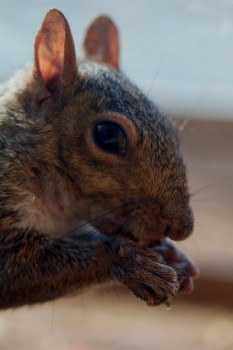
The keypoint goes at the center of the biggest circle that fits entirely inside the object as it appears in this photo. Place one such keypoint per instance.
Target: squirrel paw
(143, 272)
(185, 268)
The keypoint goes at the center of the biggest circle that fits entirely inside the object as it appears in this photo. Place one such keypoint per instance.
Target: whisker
(109, 221)
(198, 249)
(214, 212)
(92, 220)
(125, 223)
(119, 206)
(199, 99)
(52, 317)
(131, 220)
(155, 75)
(202, 228)
(228, 178)
(220, 210)
(195, 199)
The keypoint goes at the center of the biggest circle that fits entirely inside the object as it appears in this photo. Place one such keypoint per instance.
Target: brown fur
(54, 178)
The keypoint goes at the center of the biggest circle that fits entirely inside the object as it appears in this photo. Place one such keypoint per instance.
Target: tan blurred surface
(208, 150)
(116, 320)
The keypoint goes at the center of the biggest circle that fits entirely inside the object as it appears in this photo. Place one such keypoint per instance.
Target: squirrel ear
(54, 55)
(101, 42)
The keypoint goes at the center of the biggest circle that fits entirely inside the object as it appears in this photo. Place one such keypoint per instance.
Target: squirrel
(92, 182)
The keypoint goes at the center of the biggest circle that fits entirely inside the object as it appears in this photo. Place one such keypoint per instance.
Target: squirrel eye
(110, 137)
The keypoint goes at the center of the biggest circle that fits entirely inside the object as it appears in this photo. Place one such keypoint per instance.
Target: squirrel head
(109, 151)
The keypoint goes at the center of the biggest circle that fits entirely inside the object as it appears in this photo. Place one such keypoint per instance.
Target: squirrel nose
(180, 224)
(179, 232)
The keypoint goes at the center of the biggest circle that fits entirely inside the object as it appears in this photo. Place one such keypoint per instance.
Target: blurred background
(180, 53)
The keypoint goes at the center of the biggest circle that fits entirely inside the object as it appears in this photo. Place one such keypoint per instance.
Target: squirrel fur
(71, 212)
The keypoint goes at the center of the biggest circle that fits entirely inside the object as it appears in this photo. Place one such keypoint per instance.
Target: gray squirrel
(92, 182)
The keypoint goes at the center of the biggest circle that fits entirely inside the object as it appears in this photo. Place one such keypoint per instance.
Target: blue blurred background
(179, 51)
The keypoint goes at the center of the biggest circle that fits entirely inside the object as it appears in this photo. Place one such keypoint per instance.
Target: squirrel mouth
(148, 240)
(121, 232)
(128, 235)
(146, 232)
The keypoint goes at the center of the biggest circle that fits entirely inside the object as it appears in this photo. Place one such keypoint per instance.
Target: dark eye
(110, 137)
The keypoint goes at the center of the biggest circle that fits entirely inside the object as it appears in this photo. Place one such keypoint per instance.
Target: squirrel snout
(179, 233)
(179, 222)
(180, 229)
(158, 222)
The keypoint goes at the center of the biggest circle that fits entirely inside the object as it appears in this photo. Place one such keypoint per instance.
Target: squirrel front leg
(36, 268)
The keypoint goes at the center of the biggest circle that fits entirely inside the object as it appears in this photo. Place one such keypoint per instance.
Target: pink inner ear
(50, 52)
(54, 57)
